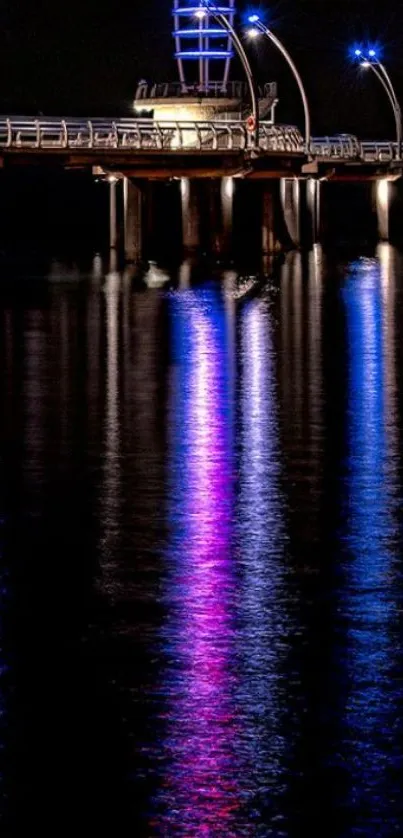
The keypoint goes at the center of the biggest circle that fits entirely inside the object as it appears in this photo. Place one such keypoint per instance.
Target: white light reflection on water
(36, 379)
(261, 548)
(110, 497)
(371, 596)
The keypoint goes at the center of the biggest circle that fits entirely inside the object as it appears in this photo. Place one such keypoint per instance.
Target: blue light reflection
(371, 594)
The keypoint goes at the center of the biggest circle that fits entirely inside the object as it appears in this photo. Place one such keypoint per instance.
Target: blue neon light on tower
(203, 49)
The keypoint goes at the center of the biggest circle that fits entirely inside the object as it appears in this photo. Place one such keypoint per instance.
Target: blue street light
(257, 28)
(368, 58)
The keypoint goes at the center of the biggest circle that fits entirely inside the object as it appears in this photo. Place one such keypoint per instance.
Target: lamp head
(366, 55)
(253, 18)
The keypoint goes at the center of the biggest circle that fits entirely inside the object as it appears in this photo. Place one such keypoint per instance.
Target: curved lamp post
(206, 7)
(369, 59)
(258, 27)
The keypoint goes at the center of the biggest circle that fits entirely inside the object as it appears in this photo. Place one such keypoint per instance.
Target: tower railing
(235, 90)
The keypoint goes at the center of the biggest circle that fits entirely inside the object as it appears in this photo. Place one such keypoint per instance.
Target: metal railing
(348, 147)
(236, 90)
(286, 138)
(144, 135)
(374, 152)
(341, 146)
(148, 135)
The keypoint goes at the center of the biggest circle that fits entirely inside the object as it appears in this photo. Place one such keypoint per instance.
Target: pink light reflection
(201, 795)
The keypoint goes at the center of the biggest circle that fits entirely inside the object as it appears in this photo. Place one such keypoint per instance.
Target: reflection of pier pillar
(382, 202)
(132, 220)
(113, 224)
(190, 214)
(185, 271)
(312, 211)
(290, 202)
(268, 234)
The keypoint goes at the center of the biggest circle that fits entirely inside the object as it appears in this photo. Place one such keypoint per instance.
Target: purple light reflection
(201, 791)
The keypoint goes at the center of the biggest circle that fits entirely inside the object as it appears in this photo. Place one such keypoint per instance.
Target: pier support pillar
(290, 202)
(227, 212)
(221, 201)
(113, 221)
(190, 214)
(132, 204)
(382, 190)
(312, 209)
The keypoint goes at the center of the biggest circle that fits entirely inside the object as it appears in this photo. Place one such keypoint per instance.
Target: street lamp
(257, 28)
(208, 8)
(369, 58)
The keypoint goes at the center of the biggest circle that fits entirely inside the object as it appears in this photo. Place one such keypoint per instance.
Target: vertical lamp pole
(259, 27)
(214, 11)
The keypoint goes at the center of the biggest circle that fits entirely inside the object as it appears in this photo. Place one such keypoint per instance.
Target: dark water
(201, 571)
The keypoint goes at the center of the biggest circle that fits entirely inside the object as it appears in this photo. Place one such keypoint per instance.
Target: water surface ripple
(200, 553)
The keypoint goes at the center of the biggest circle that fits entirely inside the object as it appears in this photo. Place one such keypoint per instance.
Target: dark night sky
(81, 57)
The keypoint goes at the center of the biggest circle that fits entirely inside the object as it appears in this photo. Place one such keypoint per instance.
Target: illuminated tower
(202, 48)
